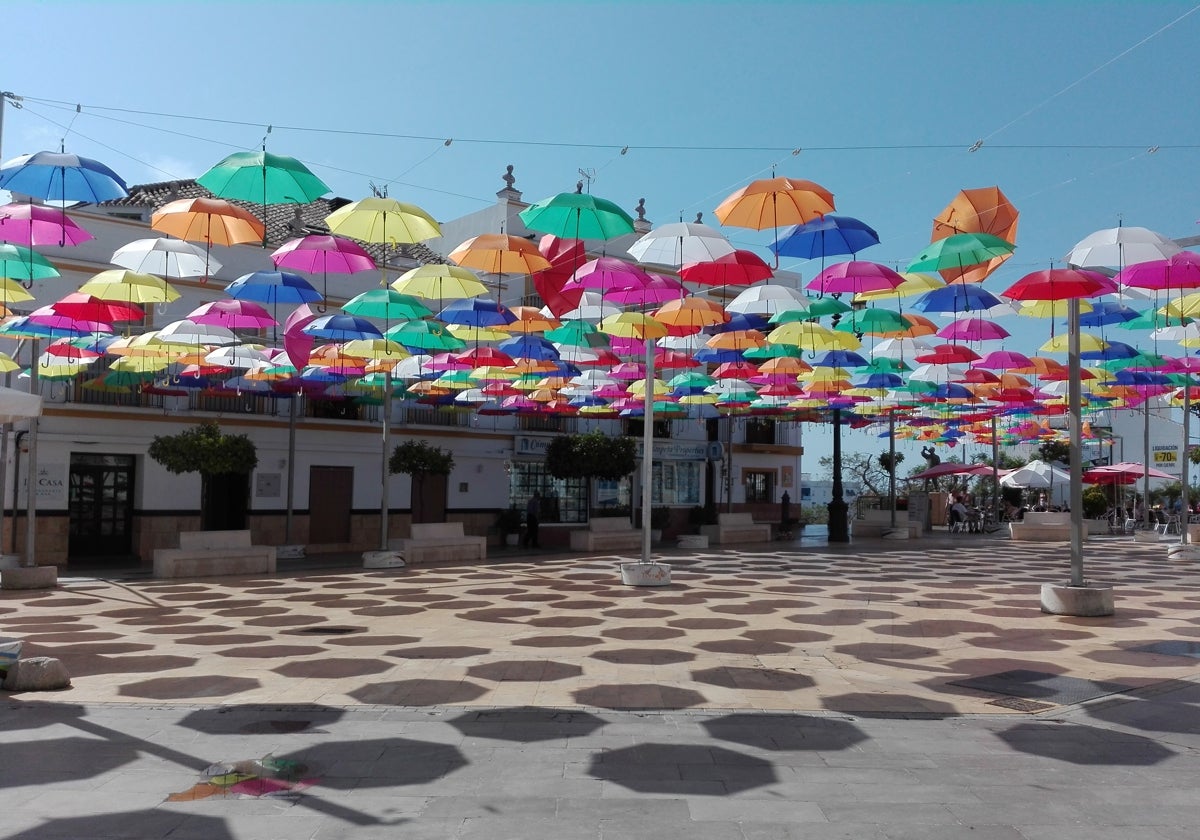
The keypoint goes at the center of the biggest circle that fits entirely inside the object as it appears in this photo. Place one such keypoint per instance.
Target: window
(563, 500)
(675, 483)
(760, 430)
(635, 427)
(760, 485)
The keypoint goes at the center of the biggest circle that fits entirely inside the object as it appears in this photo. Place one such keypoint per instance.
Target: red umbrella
(741, 268)
(1132, 469)
(89, 308)
(949, 354)
(565, 255)
(1059, 284)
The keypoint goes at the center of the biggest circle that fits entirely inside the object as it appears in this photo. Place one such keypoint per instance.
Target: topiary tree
(419, 460)
(591, 455)
(224, 463)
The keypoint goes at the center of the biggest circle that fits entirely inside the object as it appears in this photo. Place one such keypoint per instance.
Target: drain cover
(1171, 648)
(1040, 685)
(1019, 705)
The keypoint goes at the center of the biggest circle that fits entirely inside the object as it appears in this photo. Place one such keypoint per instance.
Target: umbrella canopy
(129, 286)
(172, 258)
(20, 263)
(775, 202)
(826, 236)
(681, 243)
(213, 221)
(59, 176)
(1121, 246)
(36, 224)
(233, 314)
(737, 268)
(439, 281)
(982, 210)
(1132, 469)
(273, 287)
(960, 251)
(1036, 474)
(326, 254)
(1059, 284)
(854, 277)
(499, 253)
(18, 405)
(383, 220)
(577, 215)
(263, 177)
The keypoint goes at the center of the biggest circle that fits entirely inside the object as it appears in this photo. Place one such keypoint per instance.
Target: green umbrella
(425, 335)
(826, 306)
(387, 304)
(578, 334)
(263, 178)
(20, 263)
(873, 321)
(577, 215)
(961, 250)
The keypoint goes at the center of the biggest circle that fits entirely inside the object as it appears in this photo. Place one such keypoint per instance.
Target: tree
(591, 455)
(418, 459)
(859, 468)
(224, 463)
(1055, 451)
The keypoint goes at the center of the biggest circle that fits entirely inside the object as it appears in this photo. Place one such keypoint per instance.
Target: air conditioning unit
(716, 450)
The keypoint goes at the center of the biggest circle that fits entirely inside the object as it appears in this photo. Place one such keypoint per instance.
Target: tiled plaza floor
(873, 627)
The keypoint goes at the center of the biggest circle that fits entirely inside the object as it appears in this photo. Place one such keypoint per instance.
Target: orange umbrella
(499, 253)
(771, 202)
(983, 210)
(208, 220)
(689, 315)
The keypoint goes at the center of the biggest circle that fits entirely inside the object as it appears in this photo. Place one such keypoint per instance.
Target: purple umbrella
(37, 224)
(854, 277)
(323, 253)
(234, 314)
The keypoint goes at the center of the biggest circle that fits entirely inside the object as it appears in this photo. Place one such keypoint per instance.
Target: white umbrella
(1121, 246)
(165, 257)
(16, 405)
(680, 243)
(592, 307)
(768, 299)
(1036, 474)
(900, 348)
(189, 332)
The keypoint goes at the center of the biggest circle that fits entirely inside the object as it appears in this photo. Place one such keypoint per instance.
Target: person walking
(533, 510)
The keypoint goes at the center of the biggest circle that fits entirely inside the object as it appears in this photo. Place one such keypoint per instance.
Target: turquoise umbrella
(20, 263)
(577, 215)
(263, 178)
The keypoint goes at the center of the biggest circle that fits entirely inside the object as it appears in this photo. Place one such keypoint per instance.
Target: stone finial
(641, 210)
(579, 186)
(508, 177)
(699, 218)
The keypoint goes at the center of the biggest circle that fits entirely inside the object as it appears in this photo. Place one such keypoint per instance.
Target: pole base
(30, 577)
(1178, 551)
(645, 574)
(383, 560)
(1091, 599)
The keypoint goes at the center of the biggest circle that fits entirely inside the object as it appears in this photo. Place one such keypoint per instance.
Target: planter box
(645, 574)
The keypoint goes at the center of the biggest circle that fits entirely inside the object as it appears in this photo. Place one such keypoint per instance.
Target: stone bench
(875, 524)
(1041, 526)
(438, 542)
(207, 553)
(736, 528)
(607, 533)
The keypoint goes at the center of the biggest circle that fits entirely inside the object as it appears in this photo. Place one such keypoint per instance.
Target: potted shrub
(508, 523)
(418, 459)
(659, 518)
(224, 462)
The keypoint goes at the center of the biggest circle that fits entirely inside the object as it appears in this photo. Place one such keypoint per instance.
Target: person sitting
(958, 515)
(1040, 507)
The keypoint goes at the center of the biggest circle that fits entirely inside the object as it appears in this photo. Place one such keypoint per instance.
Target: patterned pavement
(868, 628)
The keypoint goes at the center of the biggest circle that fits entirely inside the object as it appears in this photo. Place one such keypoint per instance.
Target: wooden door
(330, 499)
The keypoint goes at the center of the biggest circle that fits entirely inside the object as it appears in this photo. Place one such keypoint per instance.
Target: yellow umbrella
(12, 292)
(633, 325)
(638, 387)
(7, 365)
(440, 281)
(383, 221)
(1087, 343)
(812, 336)
(468, 333)
(140, 364)
(146, 344)
(1187, 306)
(915, 283)
(1049, 308)
(120, 284)
(375, 349)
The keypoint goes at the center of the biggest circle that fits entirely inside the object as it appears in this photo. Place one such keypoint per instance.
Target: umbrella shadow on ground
(1086, 745)
(252, 719)
(753, 679)
(638, 696)
(184, 688)
(526, 725)
(525, 670)
(861, 704)
(1155, 714)
(682, 769)
(38, 715)
(153, 822)
(786, 731)
(376, 763)
(57, 760)
(419, 693)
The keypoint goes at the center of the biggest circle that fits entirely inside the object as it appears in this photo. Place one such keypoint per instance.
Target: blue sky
(882, 100)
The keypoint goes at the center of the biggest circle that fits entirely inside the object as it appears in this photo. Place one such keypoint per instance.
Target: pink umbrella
(323, 253)
(296, 341)
(950, 468)
(854, 277)
(232, 314)
(1004, 360)
(1181, 271)
(37, 224)
(972, 329)
(608, 273)
(659, 290)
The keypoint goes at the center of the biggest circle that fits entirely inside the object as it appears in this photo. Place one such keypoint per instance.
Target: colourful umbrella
(36, 224)
(273, 287)
(775, 202)
(578, 215)
(854, 277)
(827, 236)
(498, 253)
(263, 177)
(208, 220)
(959, 252)
(172, 258)
(233, 314)
(324, 254)
(982, 210)
(1059, 284)
(739, 268)
(89, 307)
(439, 281)
(61, 176)
(20, 263)
(680, 243)
(120, 284)
(383, 220)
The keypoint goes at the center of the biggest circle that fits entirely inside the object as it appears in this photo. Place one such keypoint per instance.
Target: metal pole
(1146, 468)
(291, 468)
(647, 449)
(892, 462)
(387, 440)
(35, 387)
(1183, 466)
(729, 463)
(839, 525)
(1074, 399)
(995, 474)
